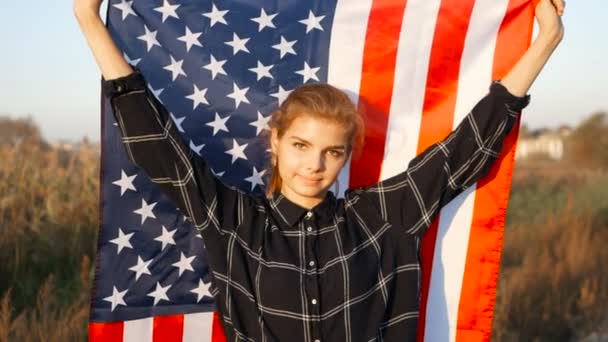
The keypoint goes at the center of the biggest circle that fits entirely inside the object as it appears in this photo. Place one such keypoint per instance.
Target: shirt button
(309, 214)
(309, 229)
(314, 301)
(312, 263)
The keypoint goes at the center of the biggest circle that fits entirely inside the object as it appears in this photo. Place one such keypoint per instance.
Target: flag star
(238, 44)
(122, 240)
(262, 70)
(133, 62)
(217, 174)
(117, 298)
(285, 47)
(261, 123)
(166, 238)
(150, 38)
(126, 7)
(145, 211)
(190, 39)
(125, 182)
(198, 97)
(238, 95)
(178, 122)
(196, 148)
(201, 290)
(237, 151)
(156, 92)
(281, 94)
(256, 178)
(141, 267)
(264, 20)
(308, 73)
(216, 16)
(312, 22)
(216, 67)
(167, 10)
(176, 68)
(218, 124)
(159, 293)
(184, 263)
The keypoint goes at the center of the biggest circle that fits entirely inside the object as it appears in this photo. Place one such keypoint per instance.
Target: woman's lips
(310, 181)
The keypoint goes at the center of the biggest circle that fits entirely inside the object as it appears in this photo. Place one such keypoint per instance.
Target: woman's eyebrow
(342, 147)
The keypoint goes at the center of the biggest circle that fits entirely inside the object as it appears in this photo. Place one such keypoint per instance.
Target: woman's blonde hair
(321, 101)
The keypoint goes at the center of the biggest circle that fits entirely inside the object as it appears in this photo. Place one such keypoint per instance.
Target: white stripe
(198, 327)
(411, 69)
(139, 330)
(346, 56)
(455, 221)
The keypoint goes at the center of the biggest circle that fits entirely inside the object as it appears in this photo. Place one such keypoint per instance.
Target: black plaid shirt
(347, 270)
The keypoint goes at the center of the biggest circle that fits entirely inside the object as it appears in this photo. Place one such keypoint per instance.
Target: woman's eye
(335, 153)
(298, 145)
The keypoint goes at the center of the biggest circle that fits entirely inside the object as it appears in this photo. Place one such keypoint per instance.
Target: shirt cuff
(516, 103)
(121, 85)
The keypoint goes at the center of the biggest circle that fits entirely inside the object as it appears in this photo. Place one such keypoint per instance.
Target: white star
(178, 122)
(167, 10)
(126, 8)
(238, 44)
(261, 123)
(312, 22)
(122, 240)
(256, 178)
(141, 267)
(264, 20)
(201, 290)
(150, 38)
(125, 182)
(166, 237)
(184, 263)
(190, 39)
(133, 62)
(262, 70)
(215, 67)
(237, 151)
(218, 124)
(159, 293)
(117, 298)
(308, 73)
(238, 95)
(198, 97)
(145, 211)
(281, 94)
(285, 46)
(196, 148)
(156, 92)
(217, 174)
(176, 68)
(216, 16)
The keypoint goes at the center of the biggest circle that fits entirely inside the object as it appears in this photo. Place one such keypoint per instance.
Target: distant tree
(17, 131)
(588, 143)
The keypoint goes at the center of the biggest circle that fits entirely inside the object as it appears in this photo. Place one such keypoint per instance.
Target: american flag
(414, 67)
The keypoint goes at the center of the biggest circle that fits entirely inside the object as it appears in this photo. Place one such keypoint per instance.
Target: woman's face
(310, 155)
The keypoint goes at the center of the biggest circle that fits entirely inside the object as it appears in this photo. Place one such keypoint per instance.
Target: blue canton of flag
(220, 71)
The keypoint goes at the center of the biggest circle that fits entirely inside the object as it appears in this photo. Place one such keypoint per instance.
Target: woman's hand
(548, 16)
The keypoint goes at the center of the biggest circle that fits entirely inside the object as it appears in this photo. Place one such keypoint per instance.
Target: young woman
(301, 264)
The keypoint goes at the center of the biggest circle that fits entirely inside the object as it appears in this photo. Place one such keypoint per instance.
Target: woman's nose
(315, 162)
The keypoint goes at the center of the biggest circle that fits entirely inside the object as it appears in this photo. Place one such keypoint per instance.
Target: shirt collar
(291, 213)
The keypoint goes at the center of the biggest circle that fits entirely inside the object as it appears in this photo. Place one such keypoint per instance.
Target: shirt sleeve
(413, 198)
(153, 143)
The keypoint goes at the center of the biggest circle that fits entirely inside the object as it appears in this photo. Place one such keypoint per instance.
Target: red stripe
(376, 88)
(438, 109)
(217, 333)
(168, 328)
(485, 243)
(106, 332)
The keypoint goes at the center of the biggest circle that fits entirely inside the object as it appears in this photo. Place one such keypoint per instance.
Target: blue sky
(48, 72)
